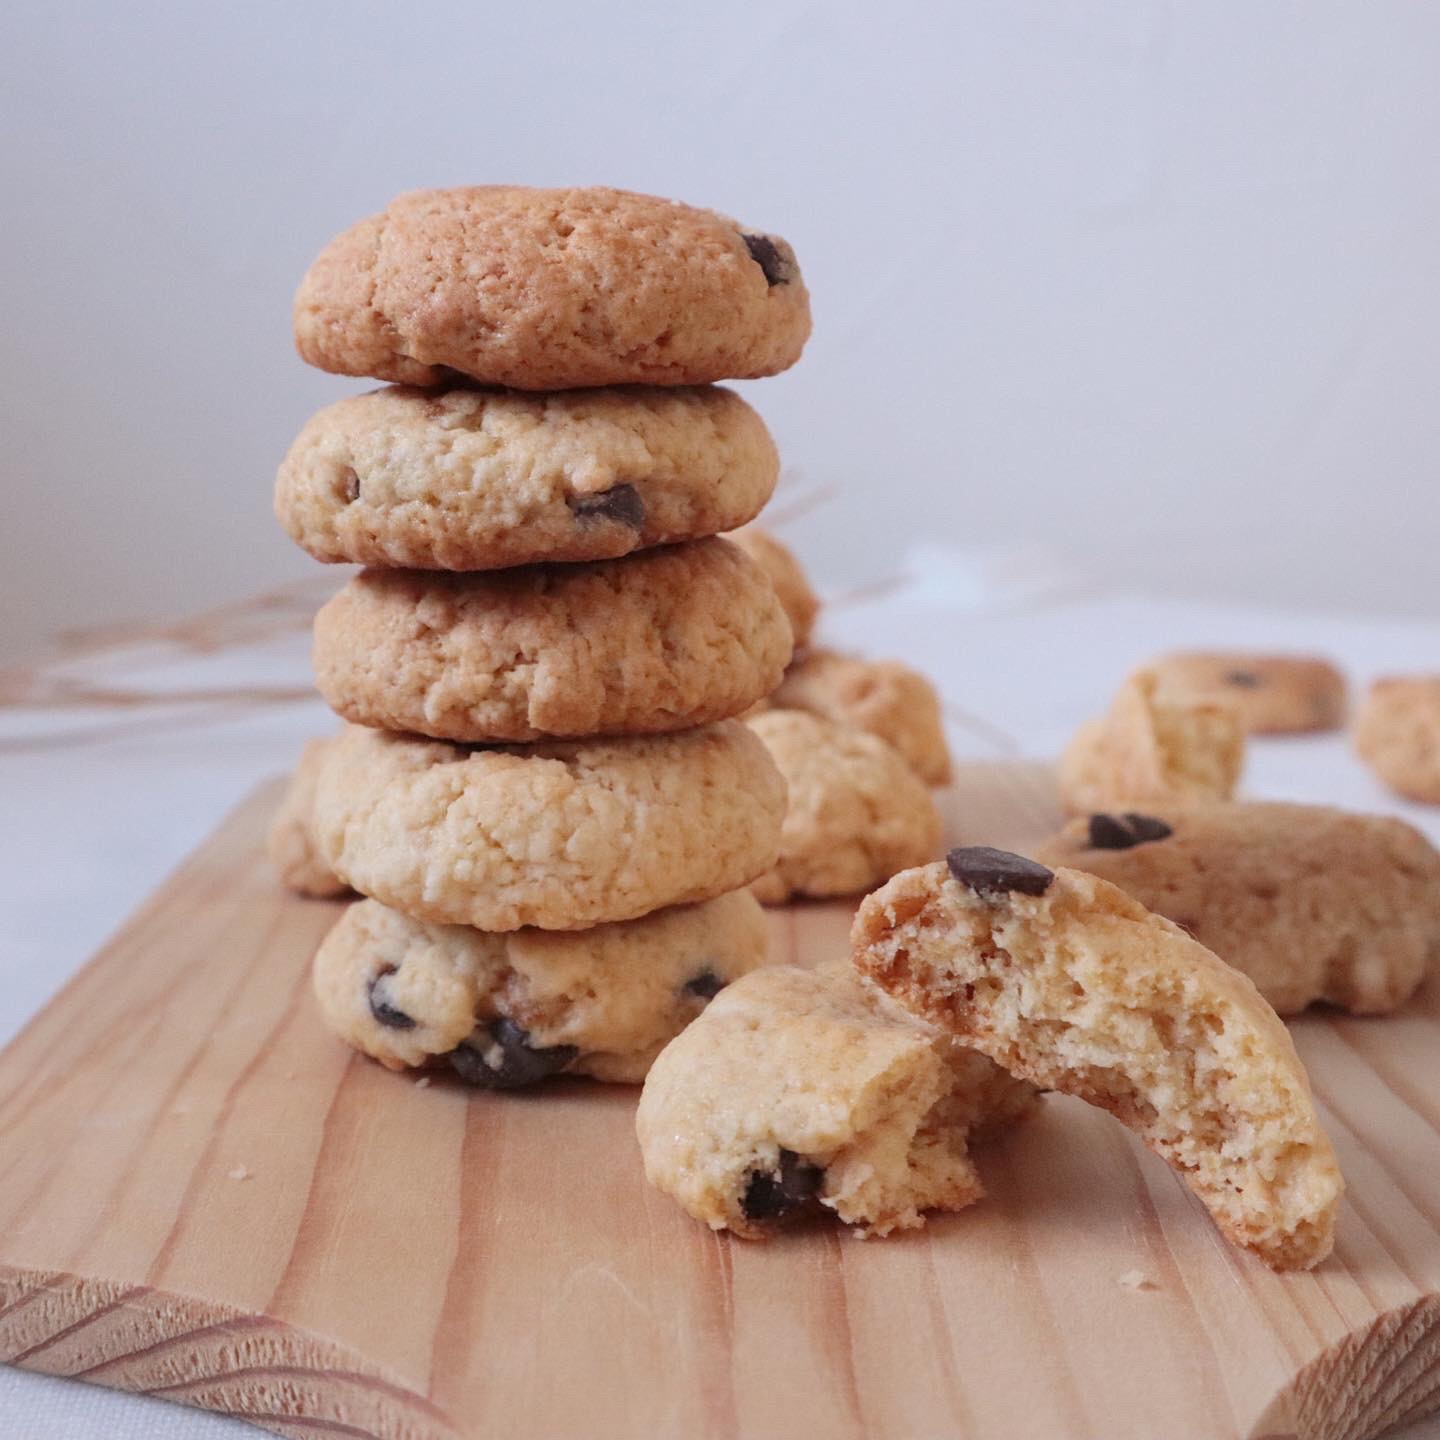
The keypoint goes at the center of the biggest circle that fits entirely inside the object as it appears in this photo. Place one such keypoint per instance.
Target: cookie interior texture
(1079, 988)
(798, 1090)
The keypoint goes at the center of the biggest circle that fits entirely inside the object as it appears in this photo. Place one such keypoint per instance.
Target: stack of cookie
(541, 790)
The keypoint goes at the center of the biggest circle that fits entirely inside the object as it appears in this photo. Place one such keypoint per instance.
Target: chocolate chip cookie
(480, 480)
(1065, 981)
(1272, 694)
(777, 560)
(290, 843)
(660, 641)
(798, 1089)
(551, 290)
(1398, 735)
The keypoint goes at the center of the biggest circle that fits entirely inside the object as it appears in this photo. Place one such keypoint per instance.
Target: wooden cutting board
(206, 1198)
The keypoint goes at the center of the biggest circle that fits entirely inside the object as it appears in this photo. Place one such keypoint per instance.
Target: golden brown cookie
(290, 842)
(1311, 903)
(792, 585)
(1065, 981)
(660, 641)
(1272, 694)
(551, 290)
(1398, 735)
(563, 835)
(479, 480)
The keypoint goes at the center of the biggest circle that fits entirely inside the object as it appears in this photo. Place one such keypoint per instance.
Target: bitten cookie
(799, 1089)
(290, 843)
(551, 290)
(777, 560)
(1311, 903)
(1153, 747)
(507, 1010)
(1273, 694)
(856, 811)
(481, 480)
(883, 697)
(1398, 735)
(1066, 981)
(561, 835)
(664, 640)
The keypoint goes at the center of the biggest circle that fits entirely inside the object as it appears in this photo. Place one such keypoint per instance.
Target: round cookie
(1067, 982)
(480, 480)
(1311, 903)
(883, 697)
(502, 1011)
(777, 560)
(1273, 694)
(1153, 748)
(1398, 735)
(660, 641)
(551, 290)
(802, 1088)
(856, 811)
(290, 843)
(563, 835)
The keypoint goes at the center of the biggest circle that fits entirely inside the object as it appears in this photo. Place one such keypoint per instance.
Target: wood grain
(206, 1198)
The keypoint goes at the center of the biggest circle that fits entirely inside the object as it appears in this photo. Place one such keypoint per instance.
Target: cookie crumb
(1137, 1280)
(240, 1172)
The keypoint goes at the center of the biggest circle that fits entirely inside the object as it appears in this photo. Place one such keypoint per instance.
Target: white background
(1147, 286)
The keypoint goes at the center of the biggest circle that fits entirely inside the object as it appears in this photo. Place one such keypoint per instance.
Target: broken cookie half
(803, 1090)
(1064, 980)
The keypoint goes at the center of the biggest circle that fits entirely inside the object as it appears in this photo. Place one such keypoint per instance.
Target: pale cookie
(882, 697)
(1067, 982)
(1311, 903)
(1273, 694)
(856, 811)
(799, 1089)
(290, 843)
(480, 480)
(1398, 735)
(660, 641)
(551, 290)
(1153, 747)
(507, 1010)
(777, 560)
(560, 835)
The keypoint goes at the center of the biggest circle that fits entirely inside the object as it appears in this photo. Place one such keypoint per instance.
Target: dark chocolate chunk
(996, 872)
(1245, 679)
(705, 986)
(349, 485)
(1124, 832)
(499, 1056)
(774, 1195)
(383, 1011)
(621, 503)
(766, 254)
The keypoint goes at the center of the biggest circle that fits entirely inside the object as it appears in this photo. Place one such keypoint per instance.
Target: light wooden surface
(205, 1198)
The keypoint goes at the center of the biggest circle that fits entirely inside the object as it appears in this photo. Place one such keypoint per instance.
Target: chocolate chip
(1124, 832)
(349, 485)
(776, 1194)
(996, 872)
(766, 254)
(499, 1056)
(706, 985)
(383, 1011)
(1245, 679)
(621, 503)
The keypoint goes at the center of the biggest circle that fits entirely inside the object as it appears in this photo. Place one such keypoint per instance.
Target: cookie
(883, 697)
(563, 835)
(856, 812)
(1153, 748)
(1398, 735)
(1311, 903)
(660, 641)
(481, 480)
(501, 1011)
(290, 843)
(798, 1090)
(1065, 981)
(1272, 694)
(551, 290)
(777, 560)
